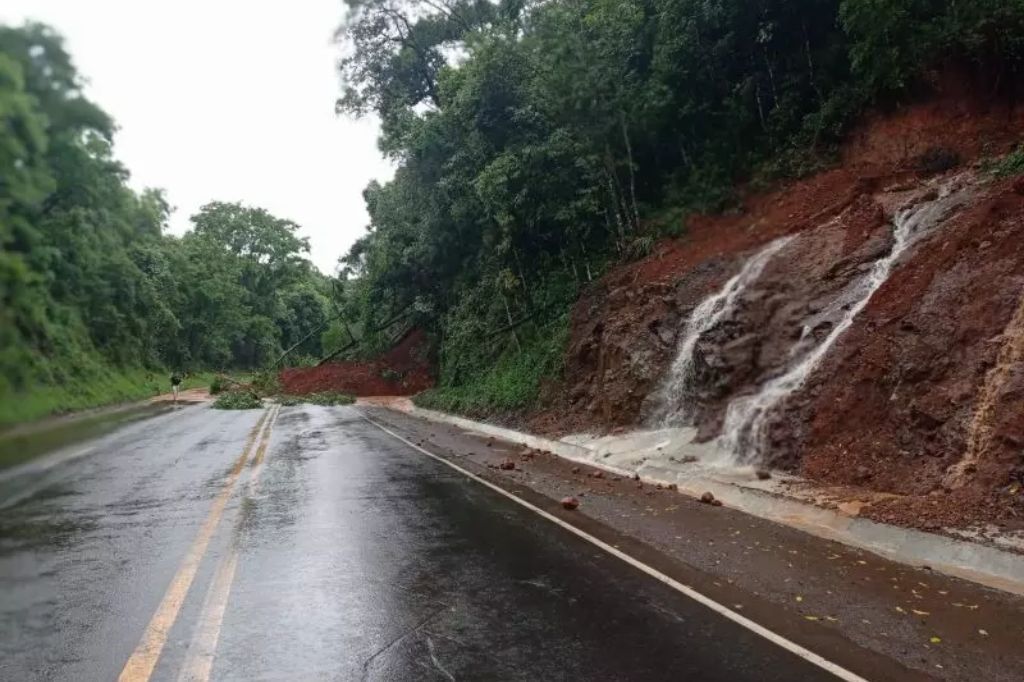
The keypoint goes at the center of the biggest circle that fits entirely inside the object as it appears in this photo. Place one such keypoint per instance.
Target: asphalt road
(303, 543)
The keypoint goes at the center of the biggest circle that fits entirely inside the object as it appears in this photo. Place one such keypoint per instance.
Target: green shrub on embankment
(514, 381)
(90, 386)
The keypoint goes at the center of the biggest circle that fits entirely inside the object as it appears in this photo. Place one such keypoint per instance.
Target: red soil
(403, 370)
(893, 405)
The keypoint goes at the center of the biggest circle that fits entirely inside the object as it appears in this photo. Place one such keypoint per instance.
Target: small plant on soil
(238, 400)
(1011, 164)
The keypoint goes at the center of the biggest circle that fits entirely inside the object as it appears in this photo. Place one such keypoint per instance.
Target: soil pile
(921, 397)
(403, 370)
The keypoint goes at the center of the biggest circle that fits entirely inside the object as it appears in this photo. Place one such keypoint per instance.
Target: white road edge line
(779, 640)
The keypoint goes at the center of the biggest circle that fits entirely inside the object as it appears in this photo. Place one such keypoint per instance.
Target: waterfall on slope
(744, 431)
(672, 404)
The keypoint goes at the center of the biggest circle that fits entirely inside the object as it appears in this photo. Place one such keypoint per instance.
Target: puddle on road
(18, 447)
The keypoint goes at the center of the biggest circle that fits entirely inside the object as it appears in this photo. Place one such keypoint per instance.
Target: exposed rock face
(922, 396)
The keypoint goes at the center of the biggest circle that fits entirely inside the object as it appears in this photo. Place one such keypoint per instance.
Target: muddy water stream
(673, 403)
(744, 431)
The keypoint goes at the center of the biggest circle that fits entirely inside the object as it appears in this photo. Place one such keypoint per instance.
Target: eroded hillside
(862, 327)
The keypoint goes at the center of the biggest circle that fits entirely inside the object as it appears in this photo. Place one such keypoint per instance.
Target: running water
(743, 434)
(673, 404)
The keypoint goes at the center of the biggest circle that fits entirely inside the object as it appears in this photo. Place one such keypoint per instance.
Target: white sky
(227, 100)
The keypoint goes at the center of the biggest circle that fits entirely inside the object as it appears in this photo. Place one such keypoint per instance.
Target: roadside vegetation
(326, 399)
(99, 305)
(240, 399)
(536, 143)
(1010, 165)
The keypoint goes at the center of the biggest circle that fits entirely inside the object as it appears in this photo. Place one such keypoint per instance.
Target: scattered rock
(707, 498)
(598, 474)
(716, 503)
(575, 470)
(763, 474)
(636, 477)
(673, 487)
(689, 459)
(570, 503)
(507, 465)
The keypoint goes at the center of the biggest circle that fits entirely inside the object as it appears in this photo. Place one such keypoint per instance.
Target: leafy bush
(329, 398)
(220, 384)
(238, 400)
(266, 382)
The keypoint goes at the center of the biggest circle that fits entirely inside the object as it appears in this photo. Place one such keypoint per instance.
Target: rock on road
(304, 543)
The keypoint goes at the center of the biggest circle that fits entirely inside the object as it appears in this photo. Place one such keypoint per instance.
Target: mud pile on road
(403, 370)
(862, 355)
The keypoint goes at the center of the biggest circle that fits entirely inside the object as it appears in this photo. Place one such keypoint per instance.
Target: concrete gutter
(646, 454)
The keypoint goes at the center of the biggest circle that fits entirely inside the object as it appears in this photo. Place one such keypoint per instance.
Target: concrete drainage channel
(646, 454)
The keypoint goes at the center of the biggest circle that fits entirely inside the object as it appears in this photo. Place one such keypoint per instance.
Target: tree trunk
(632, 171)
(511, 325)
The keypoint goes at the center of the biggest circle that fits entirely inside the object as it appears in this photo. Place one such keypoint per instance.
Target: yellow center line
(203, 647)
(143, 660)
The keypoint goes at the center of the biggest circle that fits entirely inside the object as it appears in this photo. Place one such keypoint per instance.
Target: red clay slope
(403, 370)
(930, 375)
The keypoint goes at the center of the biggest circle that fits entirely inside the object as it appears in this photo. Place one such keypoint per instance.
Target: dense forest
(97, 303)
(537, 142)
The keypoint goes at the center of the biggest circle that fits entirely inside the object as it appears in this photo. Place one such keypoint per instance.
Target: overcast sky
(230, 100)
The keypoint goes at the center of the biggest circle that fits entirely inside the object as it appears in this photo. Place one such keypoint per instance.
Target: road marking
(143, 660)
(777, 639)
(203, 647)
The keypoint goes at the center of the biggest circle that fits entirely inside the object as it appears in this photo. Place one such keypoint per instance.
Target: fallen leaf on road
(921, 613)
(811, 618)
(799, 598)
(983, 633)
(830, 618)
(935, 640)
(900, 609)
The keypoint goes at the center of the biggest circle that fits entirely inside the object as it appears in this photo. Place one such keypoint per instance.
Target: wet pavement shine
(304, 543)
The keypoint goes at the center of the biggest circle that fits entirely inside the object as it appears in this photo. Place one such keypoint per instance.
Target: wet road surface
(303, 543)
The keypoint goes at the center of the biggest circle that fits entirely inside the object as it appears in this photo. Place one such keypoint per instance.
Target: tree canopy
(89, 280)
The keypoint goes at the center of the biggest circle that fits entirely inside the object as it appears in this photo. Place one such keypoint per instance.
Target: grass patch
(82, 393)
(238, 400)
(327, 399)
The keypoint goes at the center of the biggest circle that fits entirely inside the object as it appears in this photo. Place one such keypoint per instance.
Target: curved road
(303, 543)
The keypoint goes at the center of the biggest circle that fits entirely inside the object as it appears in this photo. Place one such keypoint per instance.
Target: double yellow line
(143, 660)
